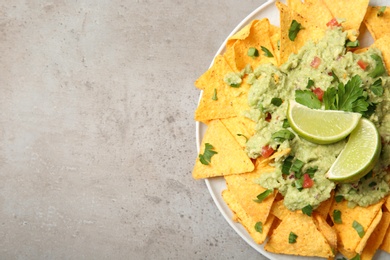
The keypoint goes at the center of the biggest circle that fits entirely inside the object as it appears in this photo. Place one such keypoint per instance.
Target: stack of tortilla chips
(221, 108)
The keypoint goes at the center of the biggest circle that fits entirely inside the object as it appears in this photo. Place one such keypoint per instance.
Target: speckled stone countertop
(97, 137)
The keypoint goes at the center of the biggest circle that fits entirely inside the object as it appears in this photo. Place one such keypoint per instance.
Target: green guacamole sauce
(270, 83)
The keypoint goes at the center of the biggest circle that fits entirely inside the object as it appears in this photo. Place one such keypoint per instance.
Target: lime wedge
(359, 155)
(321, 126)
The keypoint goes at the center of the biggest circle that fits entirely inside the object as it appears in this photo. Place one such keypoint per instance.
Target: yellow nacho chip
(375, 222)
(314, 11)
(349, 238)
(324, 207)
(237, 53)
(246, 220)
(376, 237)
(387, 203)
(279, 210)
(240, 127)
(383, 44)
(241, 34)
(245, 190)
(327, 231)
(275, 42)
(310, 32)
(378, 26)
(230, 158)
(218, 99)
(352, 11)
(309, 241)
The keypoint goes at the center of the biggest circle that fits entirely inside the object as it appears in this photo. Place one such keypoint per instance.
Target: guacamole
(308, 75)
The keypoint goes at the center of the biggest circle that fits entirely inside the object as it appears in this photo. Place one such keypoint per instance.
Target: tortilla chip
(246, 220)
(240, 127)
(245, 190)
(376, 237)
(385, 246)
(228, 98)
(230, 158)
(314, 11)
(383, 44)
(324, 207)
(237, 53)
(275, 42)
(352, 11)
(347, 235)
(370, 230)
(310, 32)
(279, 210)
(378, 26)
(242, 34)
(326, 230)
(387, 203)
(309, 242)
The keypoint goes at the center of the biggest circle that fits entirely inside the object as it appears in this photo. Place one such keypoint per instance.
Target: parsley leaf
(267, 53)
(205, 158)
(295, 27)
(262, 196)
(310, 83)
(377, 88)
(259, 227)
(379, 67)
(349, 97)
(308, 210)
(292, 238)
(359, 228)
(276, 101)
(307, 98)
(337, 216)
(282, 135)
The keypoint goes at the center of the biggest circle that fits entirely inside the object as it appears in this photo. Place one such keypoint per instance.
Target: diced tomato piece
(362, 64)
(268, 117)
(333, 23)
(315, 62)
(319, 93)
(267, 151)
(307, 181)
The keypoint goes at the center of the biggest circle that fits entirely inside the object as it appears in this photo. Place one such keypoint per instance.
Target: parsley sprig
(205, 158)
(349, 97)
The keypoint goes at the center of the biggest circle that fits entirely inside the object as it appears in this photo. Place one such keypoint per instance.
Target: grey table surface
(97, 137)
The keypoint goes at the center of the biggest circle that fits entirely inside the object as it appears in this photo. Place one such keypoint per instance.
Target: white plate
(217, 185)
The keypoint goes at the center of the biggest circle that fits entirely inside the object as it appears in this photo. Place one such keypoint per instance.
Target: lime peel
(359, 155)
(321, 126)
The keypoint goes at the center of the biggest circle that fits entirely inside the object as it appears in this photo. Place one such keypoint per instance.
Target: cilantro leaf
(307, 98)
(287, 163)
(310, 83)
(329, 98)
(295, 27)
(379, 67)
(267, 53)
(205, 158)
